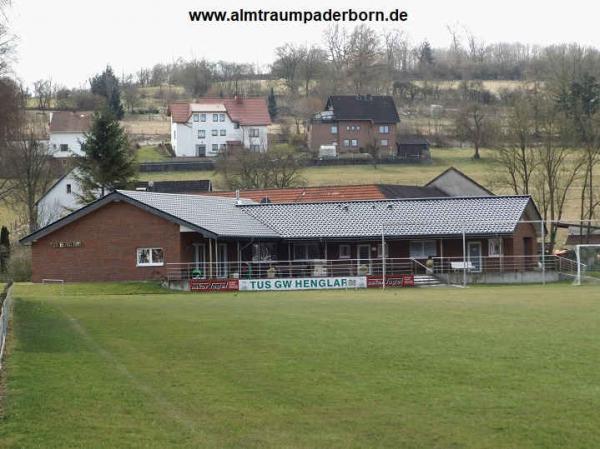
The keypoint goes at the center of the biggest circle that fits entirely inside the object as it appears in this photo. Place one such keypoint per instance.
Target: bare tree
(518, 151)
(311, 65)
(287, 64)
(279, 167)
(364, 56)
(44, 92)
(474, 124)
(31, 172)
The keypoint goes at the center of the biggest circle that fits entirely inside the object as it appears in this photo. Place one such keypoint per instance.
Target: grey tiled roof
(218, 215)
(416, 217)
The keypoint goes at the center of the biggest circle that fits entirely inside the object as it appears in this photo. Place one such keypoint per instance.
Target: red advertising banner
(393, 280)
(212, 285)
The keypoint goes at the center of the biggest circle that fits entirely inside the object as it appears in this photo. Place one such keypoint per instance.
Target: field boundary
(6, 301)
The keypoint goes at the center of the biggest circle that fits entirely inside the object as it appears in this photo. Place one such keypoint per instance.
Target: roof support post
(464, 242)
(543, 232)
(383, 257)
(210, 259)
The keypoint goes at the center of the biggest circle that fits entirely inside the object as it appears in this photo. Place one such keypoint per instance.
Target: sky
(70, 40)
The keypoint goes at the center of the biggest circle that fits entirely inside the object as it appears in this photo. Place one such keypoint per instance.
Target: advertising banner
(392, 280)
(303, 283)
(207, 285)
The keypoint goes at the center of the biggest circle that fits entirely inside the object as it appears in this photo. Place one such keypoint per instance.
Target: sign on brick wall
(205, 285)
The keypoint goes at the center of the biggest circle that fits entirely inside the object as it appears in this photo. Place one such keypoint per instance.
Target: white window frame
(384, 142)
(68, 188)
(214, 132)
(222, 147)
(222, 132)
(384, 129)
(345, 252)
(196, 117)
(354, 142)
(151, 257)
(201, 133)
(215, 147)
(215, 117)
(253, 132)
(422, 253)
(346, 142)
(221, 117)
(334, 129)
(202, 117)
(64, 147)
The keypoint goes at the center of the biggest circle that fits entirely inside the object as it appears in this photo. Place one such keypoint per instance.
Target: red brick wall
(109, 238)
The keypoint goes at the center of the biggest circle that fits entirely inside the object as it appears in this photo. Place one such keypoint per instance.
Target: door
(363, 260)
(200, 150)
(474, 256)
(222, 270)
(199, 270)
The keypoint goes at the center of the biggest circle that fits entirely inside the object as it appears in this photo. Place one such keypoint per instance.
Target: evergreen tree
(107, 85)
(272, 105)
(426, 54)
(107, 162)
(4, 249)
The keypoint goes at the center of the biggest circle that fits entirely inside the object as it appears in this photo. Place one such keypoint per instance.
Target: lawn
(367, 174)
(486, 367)
(150, 154)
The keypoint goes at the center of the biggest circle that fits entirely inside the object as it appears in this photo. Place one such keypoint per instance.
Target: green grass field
(129, 366)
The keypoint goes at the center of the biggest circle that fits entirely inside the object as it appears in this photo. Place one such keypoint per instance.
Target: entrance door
(222, 271)
(363, 260)
(199, 270)
(474, 256)
(201, 150)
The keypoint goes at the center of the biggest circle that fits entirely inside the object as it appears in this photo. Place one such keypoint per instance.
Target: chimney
(238, 99)
(237, 197)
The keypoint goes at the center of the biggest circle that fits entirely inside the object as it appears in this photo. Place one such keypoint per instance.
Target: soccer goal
(57, 285)
(588, 264)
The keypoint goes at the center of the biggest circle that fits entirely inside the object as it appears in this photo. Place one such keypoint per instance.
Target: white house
(67, 131)
(212, 125)
(60, 199)
(63, 196)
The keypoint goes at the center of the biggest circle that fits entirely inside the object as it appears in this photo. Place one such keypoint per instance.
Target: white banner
(303, 283)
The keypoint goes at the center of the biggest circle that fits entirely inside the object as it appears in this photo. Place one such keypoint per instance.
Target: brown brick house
(135, 235)
(352, 122)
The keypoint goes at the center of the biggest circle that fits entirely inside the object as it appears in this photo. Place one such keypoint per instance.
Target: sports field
(134, 366)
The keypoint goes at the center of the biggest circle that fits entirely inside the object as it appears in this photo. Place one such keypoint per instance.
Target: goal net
(588, 264)
(57, 286)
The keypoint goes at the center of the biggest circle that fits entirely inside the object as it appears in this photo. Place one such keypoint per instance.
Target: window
(495, 247)
(202, 117)
(344, 251)
(215, 147)
(64, 147)
(215, 132)
(222, 132)
(346, 143)
(383, 142)
(201, 134)
(347, 128)
(221, 117)
(334, 129)
(354, 142)
(387, 250)
(196, 117)
(306, 251)
(254, 132)
(215, 117)
(54, 146)
(384, 129)
(263, 251)
(254, 147)
(68, 188)
(422, 249)
(222, 147)
(150, 257)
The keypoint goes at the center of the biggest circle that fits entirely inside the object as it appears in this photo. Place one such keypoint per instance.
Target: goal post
(587, 257)
(59, 283)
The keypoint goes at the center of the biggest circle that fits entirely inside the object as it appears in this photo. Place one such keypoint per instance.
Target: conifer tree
(272, 104)
(107, 162)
